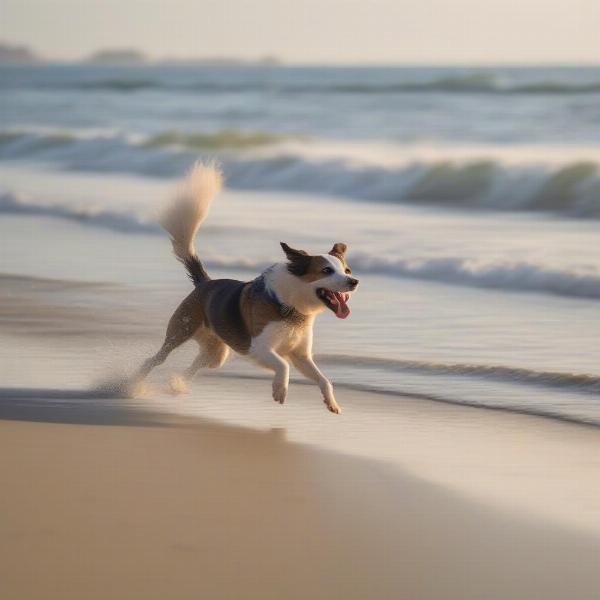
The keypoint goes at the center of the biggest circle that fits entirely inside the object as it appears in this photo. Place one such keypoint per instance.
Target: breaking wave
(24, 142)
(556, 181)
(223, 140)
(515, 276)
(113, 85)
(510, 276)
(570, 188)
(472, 83)
(122, 221)
(479, 83)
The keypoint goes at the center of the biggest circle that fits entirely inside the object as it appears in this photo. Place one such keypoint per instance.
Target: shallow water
(469, 199)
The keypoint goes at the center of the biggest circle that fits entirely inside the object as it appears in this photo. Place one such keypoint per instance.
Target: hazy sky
(395, 31)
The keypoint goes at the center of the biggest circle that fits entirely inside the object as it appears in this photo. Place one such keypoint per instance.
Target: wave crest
(510, 276)
(222, 140)
(514, 276)
(123, 221)
(486, 178)
(475, 83)
(470, 83)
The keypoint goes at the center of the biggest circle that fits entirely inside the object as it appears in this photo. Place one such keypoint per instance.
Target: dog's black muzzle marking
(353, 283)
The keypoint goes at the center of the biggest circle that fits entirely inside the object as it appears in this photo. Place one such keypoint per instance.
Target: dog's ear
(292, 253)
(299, 260)
(339, 250)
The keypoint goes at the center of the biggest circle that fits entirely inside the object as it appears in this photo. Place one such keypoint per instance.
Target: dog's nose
(353, 282)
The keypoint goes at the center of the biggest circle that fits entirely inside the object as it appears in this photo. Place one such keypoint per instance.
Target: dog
(269, 319)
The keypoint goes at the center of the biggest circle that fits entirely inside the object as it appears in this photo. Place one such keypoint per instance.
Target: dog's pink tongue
(342, 309)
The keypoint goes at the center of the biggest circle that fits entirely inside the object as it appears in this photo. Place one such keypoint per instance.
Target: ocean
(469, 198)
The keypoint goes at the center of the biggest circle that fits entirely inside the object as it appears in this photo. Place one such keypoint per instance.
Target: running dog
(269, 319)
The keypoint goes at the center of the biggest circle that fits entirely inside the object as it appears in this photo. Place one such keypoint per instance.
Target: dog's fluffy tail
(190, 207)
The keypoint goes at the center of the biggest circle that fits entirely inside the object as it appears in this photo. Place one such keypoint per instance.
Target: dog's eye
(327, 270)
(348, 271)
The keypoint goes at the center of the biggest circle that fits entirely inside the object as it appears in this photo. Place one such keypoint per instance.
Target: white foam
(560, 179)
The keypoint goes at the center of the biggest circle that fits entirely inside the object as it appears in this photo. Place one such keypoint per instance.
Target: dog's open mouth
(335, 301)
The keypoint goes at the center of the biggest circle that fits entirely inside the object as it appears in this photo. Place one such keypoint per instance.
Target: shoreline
(79, 312)
(64, 342)
(524, 464)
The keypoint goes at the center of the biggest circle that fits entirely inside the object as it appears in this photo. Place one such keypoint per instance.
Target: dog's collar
(285, 310)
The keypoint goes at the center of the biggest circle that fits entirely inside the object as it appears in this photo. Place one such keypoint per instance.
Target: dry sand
(200, 510)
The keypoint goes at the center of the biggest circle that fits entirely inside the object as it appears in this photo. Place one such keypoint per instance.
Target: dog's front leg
(269, 359)
(306, 365)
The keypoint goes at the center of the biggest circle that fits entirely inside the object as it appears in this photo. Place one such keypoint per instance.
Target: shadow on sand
(91, 407)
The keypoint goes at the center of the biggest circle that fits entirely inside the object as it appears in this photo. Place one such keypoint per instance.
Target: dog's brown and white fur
(269, 319)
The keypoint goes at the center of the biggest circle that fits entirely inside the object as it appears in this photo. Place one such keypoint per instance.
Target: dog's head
(324, 279)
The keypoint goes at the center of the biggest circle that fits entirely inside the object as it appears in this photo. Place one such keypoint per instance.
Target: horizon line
(275, 60)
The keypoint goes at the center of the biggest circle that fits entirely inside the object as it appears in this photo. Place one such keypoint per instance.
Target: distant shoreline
(19, 55)
(285, 65)
(22, 55)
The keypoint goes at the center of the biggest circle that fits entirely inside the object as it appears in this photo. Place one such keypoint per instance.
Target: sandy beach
(199, 509)
(396, 498)
(434, 190)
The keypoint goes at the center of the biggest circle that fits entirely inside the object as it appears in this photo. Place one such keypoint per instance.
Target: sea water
(469, 198)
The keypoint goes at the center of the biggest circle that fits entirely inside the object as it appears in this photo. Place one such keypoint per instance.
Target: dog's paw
(280, 393)
(178, 385)
(333, 406)
(136, 389)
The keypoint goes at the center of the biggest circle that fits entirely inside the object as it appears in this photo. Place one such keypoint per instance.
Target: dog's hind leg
(213, 354)
(182, 326)
(156, 360)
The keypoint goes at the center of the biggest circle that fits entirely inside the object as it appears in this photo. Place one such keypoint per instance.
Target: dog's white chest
(281, 336)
